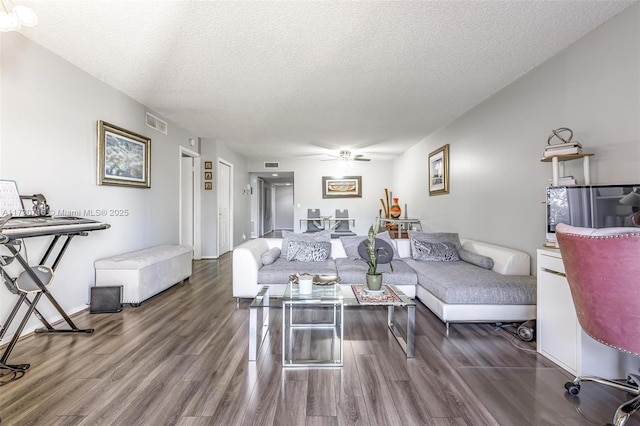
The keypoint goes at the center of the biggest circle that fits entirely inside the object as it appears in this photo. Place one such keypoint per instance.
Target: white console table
(560, 337)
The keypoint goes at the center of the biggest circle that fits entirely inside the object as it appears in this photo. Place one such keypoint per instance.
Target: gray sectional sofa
(485, 283)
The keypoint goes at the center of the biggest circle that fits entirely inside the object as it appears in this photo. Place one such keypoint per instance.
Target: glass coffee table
(335, 298)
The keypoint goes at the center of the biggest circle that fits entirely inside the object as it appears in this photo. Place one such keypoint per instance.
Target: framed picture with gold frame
(439, 171)
(208, 175)
(208, 165)
(208, 186)
(124, 157)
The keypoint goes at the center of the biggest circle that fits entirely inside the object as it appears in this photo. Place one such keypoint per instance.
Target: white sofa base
(145, 273)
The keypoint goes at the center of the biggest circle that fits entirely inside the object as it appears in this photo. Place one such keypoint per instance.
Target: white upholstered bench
(145, 273)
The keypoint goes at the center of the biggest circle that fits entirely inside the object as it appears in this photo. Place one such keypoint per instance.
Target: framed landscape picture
(439, 171)
(342, 187)
(124, 157)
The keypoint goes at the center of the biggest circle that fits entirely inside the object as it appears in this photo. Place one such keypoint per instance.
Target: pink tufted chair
(603, 270)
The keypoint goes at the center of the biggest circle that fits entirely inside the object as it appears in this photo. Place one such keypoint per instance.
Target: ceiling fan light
(9, 22)
(27, 17)
(5, 24)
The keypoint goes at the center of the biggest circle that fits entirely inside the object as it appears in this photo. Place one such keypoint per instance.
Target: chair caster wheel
(572, 388)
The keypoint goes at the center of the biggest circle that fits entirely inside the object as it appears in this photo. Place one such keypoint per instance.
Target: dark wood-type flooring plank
(181, 358)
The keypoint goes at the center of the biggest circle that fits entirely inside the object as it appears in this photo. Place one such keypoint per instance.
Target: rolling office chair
(603, 270)
(342, 226)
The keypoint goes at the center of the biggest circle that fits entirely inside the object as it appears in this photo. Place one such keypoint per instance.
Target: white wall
(497, 185)
(48, 139)
(307, 192)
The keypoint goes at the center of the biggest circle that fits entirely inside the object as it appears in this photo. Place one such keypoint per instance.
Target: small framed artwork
(208, 165)
(208, 186)
(342, 187)
(208, 175)
(124, 157)
(439, 171)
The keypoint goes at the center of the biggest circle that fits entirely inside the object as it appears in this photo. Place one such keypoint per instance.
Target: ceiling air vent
(271, 165)
(155, 123)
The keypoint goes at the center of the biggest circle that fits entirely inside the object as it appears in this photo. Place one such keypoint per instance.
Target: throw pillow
(385, 236)
(308, 251)
(437, 237)
(476, 259)
(434, 252)
(384, 256)
(270, 256)
(350, 244)
(287, 236)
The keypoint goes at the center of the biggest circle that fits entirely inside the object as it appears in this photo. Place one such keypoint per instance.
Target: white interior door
(224, 208)
(190, 203)
(186, 201)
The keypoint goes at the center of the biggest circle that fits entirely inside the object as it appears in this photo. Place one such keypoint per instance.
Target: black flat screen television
(594, 206)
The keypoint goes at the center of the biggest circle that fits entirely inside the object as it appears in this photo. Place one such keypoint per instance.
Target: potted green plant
(373, 277)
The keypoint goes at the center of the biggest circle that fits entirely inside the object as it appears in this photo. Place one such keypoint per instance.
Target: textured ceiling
(280, 79)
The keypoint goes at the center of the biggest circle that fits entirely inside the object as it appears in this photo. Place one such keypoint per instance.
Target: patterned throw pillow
(307, 251)
(288, 236)
(434, 252)
(437, 237)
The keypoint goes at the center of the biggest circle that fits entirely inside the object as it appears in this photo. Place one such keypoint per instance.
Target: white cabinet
(560, 337)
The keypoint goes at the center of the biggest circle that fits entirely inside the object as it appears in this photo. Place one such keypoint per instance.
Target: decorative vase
(374, 282)
(395, 211)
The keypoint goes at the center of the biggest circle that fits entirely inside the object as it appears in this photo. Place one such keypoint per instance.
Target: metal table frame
(261, 301)
(320, 297)
(258, 332)
(406, 342)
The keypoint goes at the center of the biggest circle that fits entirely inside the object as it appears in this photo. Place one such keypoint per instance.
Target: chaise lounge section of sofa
(501, 290)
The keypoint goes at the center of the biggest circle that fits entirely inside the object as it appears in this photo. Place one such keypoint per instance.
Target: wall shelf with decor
(555, 165)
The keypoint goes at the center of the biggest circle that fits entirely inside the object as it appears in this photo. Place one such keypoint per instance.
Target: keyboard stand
(23, 298)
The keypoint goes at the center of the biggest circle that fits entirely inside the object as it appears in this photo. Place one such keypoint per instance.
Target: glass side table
(294, 303)
(261, 301)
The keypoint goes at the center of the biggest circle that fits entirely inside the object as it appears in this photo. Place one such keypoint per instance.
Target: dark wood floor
(181, 358)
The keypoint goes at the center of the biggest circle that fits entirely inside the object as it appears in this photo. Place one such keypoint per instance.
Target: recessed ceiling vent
(155, 123)
(272, 165)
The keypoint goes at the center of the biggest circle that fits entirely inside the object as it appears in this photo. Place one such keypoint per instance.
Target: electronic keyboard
(25, 227)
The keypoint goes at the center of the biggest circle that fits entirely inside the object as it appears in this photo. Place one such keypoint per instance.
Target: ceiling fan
(346, 155)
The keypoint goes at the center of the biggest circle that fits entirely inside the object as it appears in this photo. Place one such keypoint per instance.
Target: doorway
(225, 201)
(189, 214)
(272, 209)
